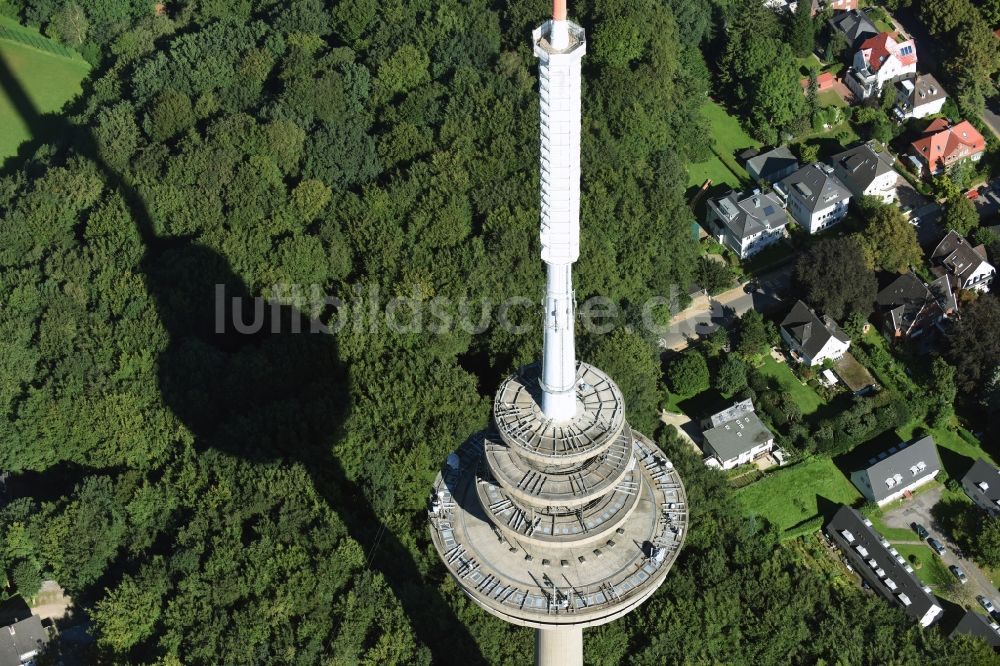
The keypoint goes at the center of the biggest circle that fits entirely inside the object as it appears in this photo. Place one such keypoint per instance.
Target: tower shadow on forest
(271, 396)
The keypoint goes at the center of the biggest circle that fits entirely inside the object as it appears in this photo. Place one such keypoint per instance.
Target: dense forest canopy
(256, 499)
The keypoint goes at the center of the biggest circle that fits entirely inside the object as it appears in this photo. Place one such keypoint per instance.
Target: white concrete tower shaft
(560, 46)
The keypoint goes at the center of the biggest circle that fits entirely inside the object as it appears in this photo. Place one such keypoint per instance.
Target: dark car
(920, 530)
(936, 545)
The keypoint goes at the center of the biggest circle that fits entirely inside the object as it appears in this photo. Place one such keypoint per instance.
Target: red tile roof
(881, 46)
(823, 82)
(944, 145)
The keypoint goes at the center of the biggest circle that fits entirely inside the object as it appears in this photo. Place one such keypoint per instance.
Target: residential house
(816, 198)
(867, 171)
(979, 626)
(943, 145)
(964, 265)
(835, 5)
(909, 308)
(747, 223)
(728, 414)
(738, 440)
(899, 471)
(919, 97)
(878, 61)
(772, 166)
(982, 484)
(854, 26)
(21, 641)
(811, 339)
(882, 566)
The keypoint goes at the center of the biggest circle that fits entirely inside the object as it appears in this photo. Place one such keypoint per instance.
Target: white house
(812, 339)
(965, 265)
(739, 437)
(747, 223)
(815, 197)
(898, 471)
(867, 171)
(881, 60)
(919, 97)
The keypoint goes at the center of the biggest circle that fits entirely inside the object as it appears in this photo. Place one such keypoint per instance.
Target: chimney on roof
(559, 37)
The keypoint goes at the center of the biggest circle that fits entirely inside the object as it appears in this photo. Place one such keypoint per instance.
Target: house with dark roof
(910, 309)
(964, 265)
(944, 145)
(899, 471)
(878, 61)
(978, 626)
(982, 484)
(22, 641)
(879, 564)
(919, 97)
(867, 172)
(772, 166)
(854, 26)
(746, 223)
(813, 339)
(816, 198)
(738, 440)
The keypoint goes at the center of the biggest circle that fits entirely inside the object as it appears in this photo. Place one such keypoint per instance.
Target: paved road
(694, 323)
(991, 114)
(918, 510)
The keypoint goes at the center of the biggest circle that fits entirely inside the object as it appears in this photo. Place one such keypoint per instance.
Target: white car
(987, 604)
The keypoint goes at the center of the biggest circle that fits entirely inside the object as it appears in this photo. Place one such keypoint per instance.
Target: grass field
(806, 398)
(790, 496)
(933, 572)
(729, 139)
(49, 80)
(830, 98)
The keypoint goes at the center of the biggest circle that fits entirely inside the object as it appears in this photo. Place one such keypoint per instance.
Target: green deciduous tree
(835, 279)
(688, 374)
(889, 241)
(961, 216)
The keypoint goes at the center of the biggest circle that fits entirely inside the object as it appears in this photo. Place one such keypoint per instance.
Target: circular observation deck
(558, 583)
(573, 486)
(520, 422)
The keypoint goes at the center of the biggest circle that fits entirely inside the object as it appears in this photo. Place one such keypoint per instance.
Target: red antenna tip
(559, 10)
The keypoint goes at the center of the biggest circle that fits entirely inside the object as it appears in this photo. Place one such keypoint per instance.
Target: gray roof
(861, 533)
(815, 186)
(733, 438)
(900, 462)
(974, 624)
(730, 413)
(748, 214)
(983, 472)
(775, 161)
(907, 300)
(924, 89)
(854, 25)
(809, 331)
(21, 638)
(858, 167)
(958, 257)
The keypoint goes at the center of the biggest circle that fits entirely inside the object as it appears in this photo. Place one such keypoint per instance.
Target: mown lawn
(933, 572)
(806, 398)
(48, 80)
(790, 496)
(729, 139)
(948, 439)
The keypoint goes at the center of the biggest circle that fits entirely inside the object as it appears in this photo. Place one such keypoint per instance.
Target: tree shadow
(274, 392)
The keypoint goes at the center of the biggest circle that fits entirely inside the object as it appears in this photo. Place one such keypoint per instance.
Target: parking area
(918, 510)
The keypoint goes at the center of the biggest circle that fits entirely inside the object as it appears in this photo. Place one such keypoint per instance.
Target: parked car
(920, 530)
(959, 574)
(936, 545)
(986, 603)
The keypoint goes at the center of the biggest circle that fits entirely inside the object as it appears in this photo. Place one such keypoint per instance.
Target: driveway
(918, 510)
(686, 428)
(702, 319)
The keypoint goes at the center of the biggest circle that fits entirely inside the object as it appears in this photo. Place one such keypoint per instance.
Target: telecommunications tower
(559, 516)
